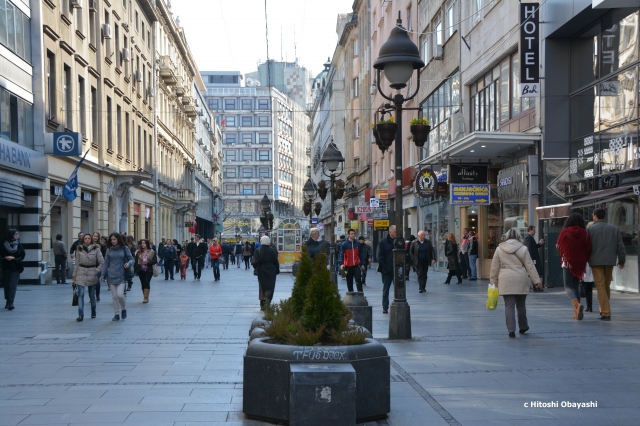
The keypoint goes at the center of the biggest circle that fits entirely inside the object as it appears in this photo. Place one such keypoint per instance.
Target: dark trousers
(354, 271)
(422, 269)
(511, 303)
(200, 266)
(588, 293)
(177, 263)
(453, 272)
(246, 262)
(232, 258)
(60, 272)
(387, 280)
(215, 264)
(464, 264)
(168, 268)
(10, 283)
(193, 264)
(225, 261)
(363, 273)
(145, 278)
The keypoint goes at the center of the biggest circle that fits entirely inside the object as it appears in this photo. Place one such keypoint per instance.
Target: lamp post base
(399, 321)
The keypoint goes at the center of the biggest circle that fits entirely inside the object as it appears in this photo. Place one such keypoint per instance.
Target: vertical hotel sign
(529, 50)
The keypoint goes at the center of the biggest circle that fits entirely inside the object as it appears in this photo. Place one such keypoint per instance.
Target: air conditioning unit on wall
(76, 4)
(93, 5)
(439, 52)
(106, 31)
(126, 55)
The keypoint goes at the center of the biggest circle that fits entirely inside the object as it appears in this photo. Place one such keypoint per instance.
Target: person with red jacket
(352, 259)
(215, 250)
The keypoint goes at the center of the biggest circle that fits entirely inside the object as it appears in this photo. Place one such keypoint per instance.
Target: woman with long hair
(246, 253)
(511, 268)
(12, 255)
(574, 246)
(89, 263)
(453, 263)
(145, 259)
(118, 260)
(99, 241)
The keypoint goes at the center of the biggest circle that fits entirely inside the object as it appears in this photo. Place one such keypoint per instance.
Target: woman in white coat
(511, 269)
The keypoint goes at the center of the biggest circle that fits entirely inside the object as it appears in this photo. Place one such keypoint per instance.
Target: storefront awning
(554, 212)
(602, 196)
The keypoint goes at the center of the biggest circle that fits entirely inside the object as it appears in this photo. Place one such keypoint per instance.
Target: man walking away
(161, 254)
(423, 256)
(199, 251)
(216, 251)
(463, 254)
(473, 255)
(190, 247)
(607, 244)
(385, 266)
(351, 259)
(60, 253)
(366, 251)
(532, 246)
(238, 252)
(226, 252)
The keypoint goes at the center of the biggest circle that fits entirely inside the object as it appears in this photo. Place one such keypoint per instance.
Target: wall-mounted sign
(374, 203)
(513, 183)
(67, 144)
(370, 222)
(338, 230)
(314, 220)
(188, 224)
(468, 173)
(470, 194)
(426, 183)
(86, 196)
(606, 182)
(382, 194)
(380, 225)
(529, 50)
(363, 209)
(381, 216)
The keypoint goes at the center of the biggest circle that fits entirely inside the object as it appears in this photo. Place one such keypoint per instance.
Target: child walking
(184, 262)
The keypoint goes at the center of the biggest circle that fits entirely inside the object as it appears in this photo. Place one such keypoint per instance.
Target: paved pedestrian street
(178, 359)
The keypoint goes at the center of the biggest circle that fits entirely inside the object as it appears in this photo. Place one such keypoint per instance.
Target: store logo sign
(426, 183)
(529, 50)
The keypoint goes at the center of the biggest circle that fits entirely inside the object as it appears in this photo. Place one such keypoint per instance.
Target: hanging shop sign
(442, 188)
(468, 173)
(188, 224)
(382, 194)
(374, 203)
(606, 182)
(529, 50)
(513, 183)
(470, 194)
(426, 183)
(363, 209)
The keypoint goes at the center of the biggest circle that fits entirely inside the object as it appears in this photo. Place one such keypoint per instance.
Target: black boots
(116, 318)
(93, 313)
(124, 313)
(80, 318)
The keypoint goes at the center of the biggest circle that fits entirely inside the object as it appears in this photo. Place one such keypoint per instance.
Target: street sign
(314, 220)
(381, 216)
(320, 226)
(363, 209)
(370, 222)
(374, 203)
(470, 194)
(338, 230)
(66, 144)
(380, 225)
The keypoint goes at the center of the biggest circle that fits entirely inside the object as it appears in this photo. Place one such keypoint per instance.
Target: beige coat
(511, 268)
(88, 265)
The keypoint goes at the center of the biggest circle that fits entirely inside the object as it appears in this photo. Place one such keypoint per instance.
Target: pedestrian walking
(226, 252)
(366, 250)
(89, 263)
(265, 262)
(160, 252)
(133, 247)
(608, 250)
(232, 254)
(60, 256)
(423, 256)
(511, 269)
(178, 247)
(473, 255)
(216, 251)
(238, 251)
(453, 259)
(588, 284)
(145, 259)
(100, 242)
(385, 265)
(408, 261)
(207, 256)
(184, 263)
(76, 243)
(199, 252)
(247, 252)
(190, 247)
(574, 246)
(117, 261)
(12, 255)
(463, 254)
(169, 255)
(351, 260)
(533, 247)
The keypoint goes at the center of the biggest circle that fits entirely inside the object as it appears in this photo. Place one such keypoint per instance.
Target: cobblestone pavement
(178, 359)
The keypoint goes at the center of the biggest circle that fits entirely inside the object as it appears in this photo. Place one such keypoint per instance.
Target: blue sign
(314, 220)
(275, 190)
(67, 144)
(466, 193)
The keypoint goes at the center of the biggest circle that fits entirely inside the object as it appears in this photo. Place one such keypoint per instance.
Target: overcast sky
(229, 35)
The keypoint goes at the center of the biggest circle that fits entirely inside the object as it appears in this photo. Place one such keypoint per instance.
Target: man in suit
(423, 256)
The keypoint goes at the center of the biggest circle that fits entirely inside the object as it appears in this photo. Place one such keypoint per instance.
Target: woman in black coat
(453, 264)
(265, 262)
(12, 255)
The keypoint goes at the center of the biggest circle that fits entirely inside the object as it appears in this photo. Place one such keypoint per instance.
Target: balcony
(180, 86)
(191, 111)
(186, 200)
(186, 100)
(168, 71)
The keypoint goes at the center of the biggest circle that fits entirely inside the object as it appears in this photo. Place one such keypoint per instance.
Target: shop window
(16, 119)
(492, 236)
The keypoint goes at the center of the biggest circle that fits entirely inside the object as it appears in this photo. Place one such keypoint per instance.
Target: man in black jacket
(226, 252)
(190, 247)
(423, 256)
(366, 251)
(199, 251)
(385, 260)
(533, 247)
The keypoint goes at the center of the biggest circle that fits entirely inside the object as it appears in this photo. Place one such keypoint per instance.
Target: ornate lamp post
(310, 192)
(266, 219)
(332, 159)
(398, 58)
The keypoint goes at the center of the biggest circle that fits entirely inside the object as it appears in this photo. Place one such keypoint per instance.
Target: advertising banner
(470, 194)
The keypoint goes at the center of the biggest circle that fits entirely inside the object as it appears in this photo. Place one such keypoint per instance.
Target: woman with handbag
(89, 263)
(574, 246)
(12, 255)
(453, 263)
(117, 261)
(511, 269)
(146, 260)
(266, 267)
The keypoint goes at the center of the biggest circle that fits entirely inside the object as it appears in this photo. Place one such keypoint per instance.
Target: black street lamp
(398, 58)
(310, 193)
(267, 216)
(332, 159)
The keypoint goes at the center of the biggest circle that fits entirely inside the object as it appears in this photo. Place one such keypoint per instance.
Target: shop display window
(491, 237)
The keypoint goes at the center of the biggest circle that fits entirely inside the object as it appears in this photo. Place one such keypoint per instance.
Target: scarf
(11, 247)
(574, 245)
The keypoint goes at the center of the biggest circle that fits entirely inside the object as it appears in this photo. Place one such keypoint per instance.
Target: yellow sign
(380, 224)
(382, 194)
(355, 225)
(288, 258)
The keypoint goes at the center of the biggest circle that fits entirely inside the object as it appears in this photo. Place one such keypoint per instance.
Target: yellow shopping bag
(492, 300)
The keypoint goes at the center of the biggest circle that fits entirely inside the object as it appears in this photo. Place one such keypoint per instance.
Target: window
(263, 121)
(248, 207)
(139, 146)
(223, 79)
(229, 138)
(127, 136)
(137, 22)
(82, 106)
(67, 98)
(247, 104)
(247, 172)
(51, 86)
(230, 154)
(355, 47)
(94, 115)
(264, 155)
(264, 172)
(439, 34)
(149, 39)
(356, 125)
(92, 27)
(119, 128)
(247, 121)
(247, 189)
(214, 104)
(230, 121)
(230, 172)
(15, 30)
(109, 125)
(230, 104)
(409, 19)
(231, 189)
(116, 33)
(107, 42)
(143, 30)
(426, 47)
(438, 108)
(356, 86)
(263, 103)
(264, 137)
(16, 119)
(264, 188)
(247, 155)
(450, 19)
(247, 138)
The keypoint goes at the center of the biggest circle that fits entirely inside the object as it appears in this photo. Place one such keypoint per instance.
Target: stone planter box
(266, 388)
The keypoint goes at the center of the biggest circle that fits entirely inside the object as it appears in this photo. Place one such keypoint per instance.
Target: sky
(229, 35)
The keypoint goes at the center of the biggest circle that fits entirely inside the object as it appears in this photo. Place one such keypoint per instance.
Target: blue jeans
(215, 264)
(472, 265)
(92, 298)
(387, 280)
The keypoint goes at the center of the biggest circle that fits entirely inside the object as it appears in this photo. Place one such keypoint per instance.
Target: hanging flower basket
(420, 133)
(379, 142)
(387, 133)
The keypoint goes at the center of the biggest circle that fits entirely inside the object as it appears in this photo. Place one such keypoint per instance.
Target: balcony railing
(168, 71)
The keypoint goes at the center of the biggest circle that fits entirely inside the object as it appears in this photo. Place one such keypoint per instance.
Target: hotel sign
(529, 50)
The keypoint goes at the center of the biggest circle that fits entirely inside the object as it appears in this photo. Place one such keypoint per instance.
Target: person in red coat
(215, 250)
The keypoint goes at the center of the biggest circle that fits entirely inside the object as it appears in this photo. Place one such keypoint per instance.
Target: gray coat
(607, 244)
(89, 262)
(114, 262)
